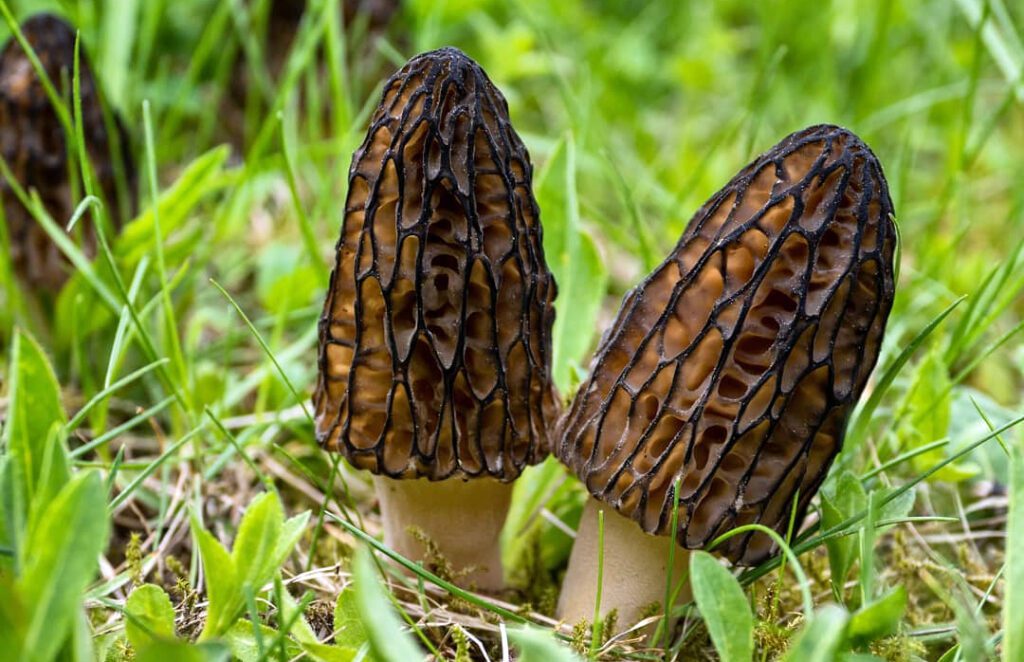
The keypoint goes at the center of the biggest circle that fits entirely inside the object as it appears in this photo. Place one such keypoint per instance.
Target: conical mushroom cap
(734, 366)
(33, 143)
(435, 340)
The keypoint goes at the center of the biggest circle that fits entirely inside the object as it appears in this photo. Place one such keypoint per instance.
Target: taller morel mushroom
(732, 369)
(435, 339)
(35, 148)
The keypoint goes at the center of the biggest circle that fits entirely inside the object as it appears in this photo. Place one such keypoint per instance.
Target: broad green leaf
(1013, 609)
(349, 630)
(253, 552)
(12, 510)
(820, 637)
(389, 642)
(300, 629)
(223, 589)
(538, 646)
(291, 531)
(13, 616)
(61, 552)
(241, 638)
(927, 416)
(879, 619)
(34, 409)
(165, 651)
(929, 408)
(724, 608)
(899, 507)
(328, 653)
(148, 615)
(838, 505)
(264, 540)
(81, 646)
(573, 258)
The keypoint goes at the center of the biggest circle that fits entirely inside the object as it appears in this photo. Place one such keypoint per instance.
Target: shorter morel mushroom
(34, 146)
(731, 370)
(435, 340)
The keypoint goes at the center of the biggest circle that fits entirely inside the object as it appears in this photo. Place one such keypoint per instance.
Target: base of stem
(635, 570)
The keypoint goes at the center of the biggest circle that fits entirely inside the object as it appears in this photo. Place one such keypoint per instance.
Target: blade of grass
(79, 416)
(152, 467)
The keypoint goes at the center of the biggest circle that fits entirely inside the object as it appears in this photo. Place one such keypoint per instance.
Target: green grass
(156, 414)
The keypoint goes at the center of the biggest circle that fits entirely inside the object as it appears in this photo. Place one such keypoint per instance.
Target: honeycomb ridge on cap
(734, 365)
(435, 339)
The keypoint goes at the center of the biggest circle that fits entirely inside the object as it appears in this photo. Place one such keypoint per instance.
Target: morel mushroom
(435, 339)
(34, 147)
(732, 368)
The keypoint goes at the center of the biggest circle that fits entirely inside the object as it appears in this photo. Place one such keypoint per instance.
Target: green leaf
(148, 615)
(723, 606)
(389, 642)
(820, 637)
(80, 645)
(328, 653)
(838, 505)
(899, 507)
(223, 590)
(573, 258)
(538, 646)
(300, 629)
(35, 409)
(162, 651)
(1013, 609)
(879, 619)
(255, 545)
(241, 638)
(291, 531)
(13, 617)
(348, 626)
(928, 412)
(60, 552)
(263, 542)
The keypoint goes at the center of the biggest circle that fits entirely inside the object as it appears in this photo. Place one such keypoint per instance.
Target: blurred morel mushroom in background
(435, 340)
(732, 369)
(36, 150)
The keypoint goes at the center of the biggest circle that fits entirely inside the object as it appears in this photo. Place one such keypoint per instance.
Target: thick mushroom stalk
(733, 367)
(646, 564)
(34, 146)
(435, 341)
